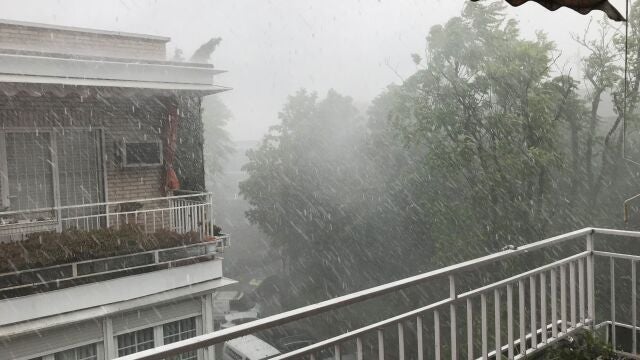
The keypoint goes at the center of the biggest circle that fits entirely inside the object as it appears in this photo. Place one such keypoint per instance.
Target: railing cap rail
(359, 296)
(108, 203)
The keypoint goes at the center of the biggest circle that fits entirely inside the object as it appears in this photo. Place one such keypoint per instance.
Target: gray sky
(273, 48)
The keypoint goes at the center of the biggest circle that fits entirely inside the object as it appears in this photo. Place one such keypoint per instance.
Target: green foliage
(487, 144)
(300, 178)
(583, 346)
(52, 248)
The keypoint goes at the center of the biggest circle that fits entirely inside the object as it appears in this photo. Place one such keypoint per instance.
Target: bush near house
(52, 248)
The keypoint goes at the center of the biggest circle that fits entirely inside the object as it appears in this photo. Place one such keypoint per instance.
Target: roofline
(84, 30)
(57, 55)
(205, 89)
(165, 297)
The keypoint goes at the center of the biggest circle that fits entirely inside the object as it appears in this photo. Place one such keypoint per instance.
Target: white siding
(51, 340)
(161, 314)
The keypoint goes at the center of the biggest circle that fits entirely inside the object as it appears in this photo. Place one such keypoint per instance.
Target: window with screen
(27, 174)
(180, 330)
(147, 153)
(135, 341)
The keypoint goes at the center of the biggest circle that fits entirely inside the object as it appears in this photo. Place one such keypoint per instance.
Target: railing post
(452, 308)
(590, 282)
(59, 215)
(211, 231)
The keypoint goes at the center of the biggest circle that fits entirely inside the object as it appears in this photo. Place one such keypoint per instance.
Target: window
(27, 170)
(180, 330)
(87, 352)
(31, 161)
(135, 341)
(142, 153)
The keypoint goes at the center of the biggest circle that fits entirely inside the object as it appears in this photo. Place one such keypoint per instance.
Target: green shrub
(52, 248)
(582, 346)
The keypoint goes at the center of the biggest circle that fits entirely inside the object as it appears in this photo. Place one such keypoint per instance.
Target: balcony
(130, 238)
(514, 303)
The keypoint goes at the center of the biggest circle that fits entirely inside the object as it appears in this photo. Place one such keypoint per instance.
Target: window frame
(53, 133)
(136, 343)
(125, 161)
(96, 348)
(179, 334)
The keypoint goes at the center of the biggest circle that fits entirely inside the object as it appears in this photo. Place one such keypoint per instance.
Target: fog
(273, 48)
(440, 156)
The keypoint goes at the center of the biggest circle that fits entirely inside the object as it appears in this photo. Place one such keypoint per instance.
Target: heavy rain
(245, 180)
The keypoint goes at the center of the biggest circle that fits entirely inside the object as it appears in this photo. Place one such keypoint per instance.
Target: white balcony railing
(182, 214)
(532, 309)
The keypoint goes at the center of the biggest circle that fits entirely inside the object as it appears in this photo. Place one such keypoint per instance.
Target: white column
(158, 336)
(109, 341)
(207, 323)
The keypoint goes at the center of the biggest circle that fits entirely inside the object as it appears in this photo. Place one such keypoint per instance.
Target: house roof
(39, 72)
(84, 30)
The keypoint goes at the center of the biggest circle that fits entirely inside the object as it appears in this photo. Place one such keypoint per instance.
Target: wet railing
(182, 214)
(24, 282)
(531, 310)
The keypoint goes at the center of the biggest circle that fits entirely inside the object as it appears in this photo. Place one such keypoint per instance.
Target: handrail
(109, 203)
(217, 337)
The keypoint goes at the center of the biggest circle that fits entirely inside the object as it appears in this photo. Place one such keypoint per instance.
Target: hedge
(51, 248)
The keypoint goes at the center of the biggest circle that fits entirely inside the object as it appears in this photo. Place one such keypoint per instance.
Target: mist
(350, 151)
(273, 48)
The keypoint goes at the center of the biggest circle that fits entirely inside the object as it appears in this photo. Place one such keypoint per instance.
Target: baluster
(590, 283)
(523, 335)
(496, 309)
(400, 341)
(452, 311)
(359, 352)
(581, 290)
(563, 299)
(436, 335)
(469, 330)
(554, 304)
(483, 330)
(419, 337)
(572, 293)
(380, 344)
(634, 334)
(613, 302)
(532, 303)
(543, 307)
(510, 349)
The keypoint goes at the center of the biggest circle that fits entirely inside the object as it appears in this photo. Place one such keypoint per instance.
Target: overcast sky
(273, 48)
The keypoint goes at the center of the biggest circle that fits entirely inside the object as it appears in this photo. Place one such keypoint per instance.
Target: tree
(298, 180)
(490, 117)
